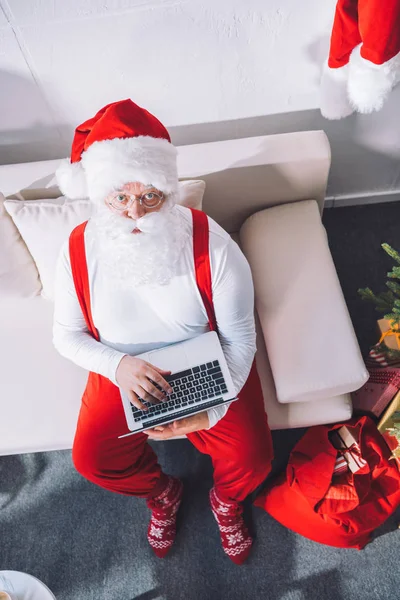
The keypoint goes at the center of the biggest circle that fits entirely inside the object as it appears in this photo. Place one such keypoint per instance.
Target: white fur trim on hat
(369, 84)
(71, 179)
(334, 101)
(109, 164)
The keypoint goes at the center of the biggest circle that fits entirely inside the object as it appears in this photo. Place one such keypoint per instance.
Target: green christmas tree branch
(392, 252)
(384, 302)
(387, 303)
(394, 287)
(394, 273)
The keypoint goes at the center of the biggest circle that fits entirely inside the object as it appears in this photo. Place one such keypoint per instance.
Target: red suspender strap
(202, 263)
(79, 270)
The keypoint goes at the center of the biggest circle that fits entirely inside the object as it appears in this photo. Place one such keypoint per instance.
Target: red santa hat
(122, 142)
(364, 57)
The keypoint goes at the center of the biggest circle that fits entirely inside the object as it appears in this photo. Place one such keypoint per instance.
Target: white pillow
(191, 193)
(19, 276)
(45, 224)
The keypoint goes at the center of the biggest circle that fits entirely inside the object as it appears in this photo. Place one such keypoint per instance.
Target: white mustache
(151, 223)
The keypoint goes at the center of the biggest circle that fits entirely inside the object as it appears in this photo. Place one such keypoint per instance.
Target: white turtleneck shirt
(145, 317)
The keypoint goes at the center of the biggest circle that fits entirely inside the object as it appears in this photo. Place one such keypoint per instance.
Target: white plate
(24, 586)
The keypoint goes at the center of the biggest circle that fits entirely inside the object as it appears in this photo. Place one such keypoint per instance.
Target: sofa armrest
(309, 336)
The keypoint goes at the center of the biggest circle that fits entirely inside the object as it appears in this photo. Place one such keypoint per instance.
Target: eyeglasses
(123, 201)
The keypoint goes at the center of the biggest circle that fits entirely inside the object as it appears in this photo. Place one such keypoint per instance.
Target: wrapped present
(390, 334)
(386, 352)
(341, 465)
(375, 395)
(389, 426)
(347, 444)
(379, 357)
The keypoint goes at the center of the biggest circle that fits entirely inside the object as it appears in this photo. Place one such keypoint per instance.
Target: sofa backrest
(242, 176)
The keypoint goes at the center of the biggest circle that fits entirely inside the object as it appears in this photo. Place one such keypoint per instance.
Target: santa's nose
(136, 210)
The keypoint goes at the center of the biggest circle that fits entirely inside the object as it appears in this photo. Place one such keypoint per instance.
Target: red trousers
(240, 444)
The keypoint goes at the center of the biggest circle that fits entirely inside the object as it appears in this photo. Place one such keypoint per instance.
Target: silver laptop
(200, 379)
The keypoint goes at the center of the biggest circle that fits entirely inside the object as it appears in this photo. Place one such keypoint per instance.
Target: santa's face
(133, 201)
(137, 241)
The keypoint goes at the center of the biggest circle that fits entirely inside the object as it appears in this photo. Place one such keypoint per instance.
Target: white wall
(209, 69)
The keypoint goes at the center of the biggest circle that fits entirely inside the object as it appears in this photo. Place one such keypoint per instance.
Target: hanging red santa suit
(364, 57)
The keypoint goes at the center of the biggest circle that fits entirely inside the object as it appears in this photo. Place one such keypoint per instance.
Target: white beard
(151, 257)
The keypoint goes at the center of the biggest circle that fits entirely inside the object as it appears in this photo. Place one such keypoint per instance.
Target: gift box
(389, 427)
(341, 465)
(347, 444)
(380, 389)
(380, 354)
(378, 357)
(389, 334)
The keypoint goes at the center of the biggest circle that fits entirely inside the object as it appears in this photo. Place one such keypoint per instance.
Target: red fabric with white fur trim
(122, 119)
(122, 142)
(373, 23)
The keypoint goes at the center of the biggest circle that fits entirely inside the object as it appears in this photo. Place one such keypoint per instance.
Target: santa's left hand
(180, 427)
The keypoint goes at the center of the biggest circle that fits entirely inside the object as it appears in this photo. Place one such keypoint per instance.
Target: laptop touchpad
(173, 359)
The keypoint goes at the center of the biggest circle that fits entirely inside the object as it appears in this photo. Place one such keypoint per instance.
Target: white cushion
(45, 224)
(191, 193)
(19, 276)
(296, 414)
(311, 344)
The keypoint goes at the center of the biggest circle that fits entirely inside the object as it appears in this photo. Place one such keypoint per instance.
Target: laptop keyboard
(189, 387)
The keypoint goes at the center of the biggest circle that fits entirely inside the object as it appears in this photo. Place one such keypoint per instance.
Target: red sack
(342, 512)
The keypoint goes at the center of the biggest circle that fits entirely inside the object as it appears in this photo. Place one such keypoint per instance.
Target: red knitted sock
(235, 537)
(162, 527)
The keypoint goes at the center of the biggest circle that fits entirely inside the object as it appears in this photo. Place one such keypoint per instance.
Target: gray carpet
(89, 544)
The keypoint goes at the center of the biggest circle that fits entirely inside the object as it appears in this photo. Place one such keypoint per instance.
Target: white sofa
(268, 192)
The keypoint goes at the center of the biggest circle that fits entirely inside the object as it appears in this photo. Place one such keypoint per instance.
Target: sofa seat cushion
(309, 336)
(41, 390)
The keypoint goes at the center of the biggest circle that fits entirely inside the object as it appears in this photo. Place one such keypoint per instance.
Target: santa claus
(128, 281)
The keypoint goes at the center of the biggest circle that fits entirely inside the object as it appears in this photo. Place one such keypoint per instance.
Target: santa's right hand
(142, 381)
